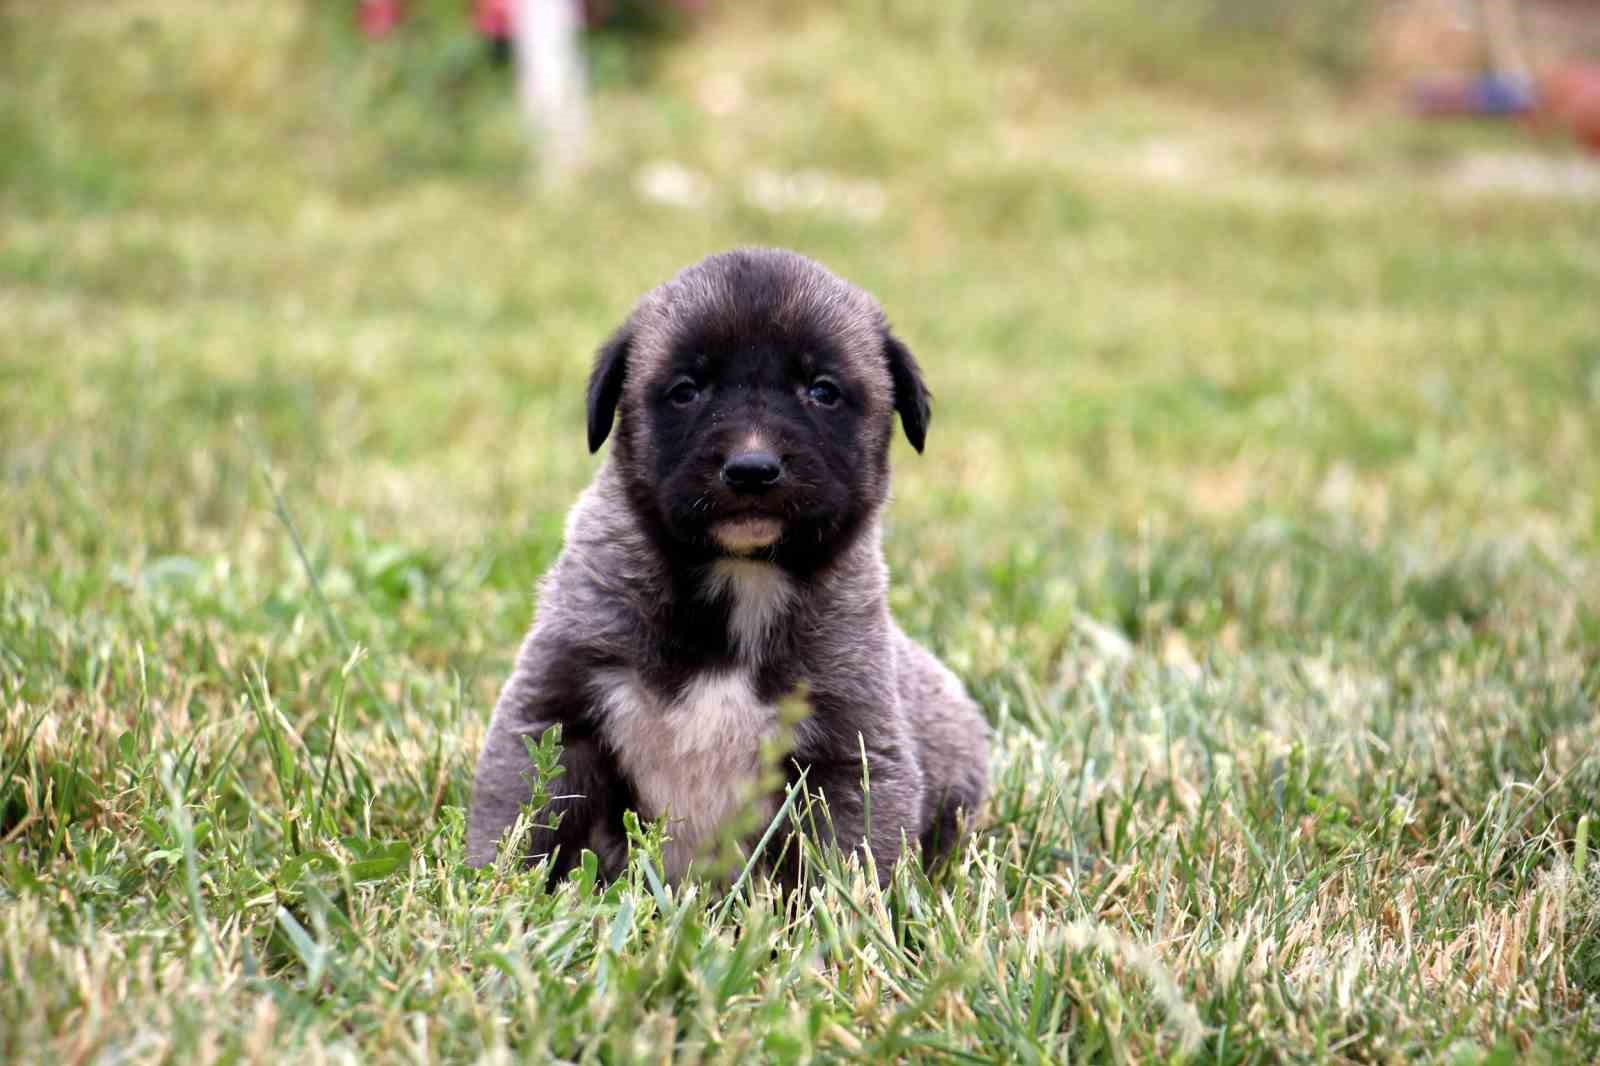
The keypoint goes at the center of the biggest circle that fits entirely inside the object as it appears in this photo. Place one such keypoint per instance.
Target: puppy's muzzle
(752, 471)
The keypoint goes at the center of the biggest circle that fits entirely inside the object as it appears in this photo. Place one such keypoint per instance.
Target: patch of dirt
(1525, 174)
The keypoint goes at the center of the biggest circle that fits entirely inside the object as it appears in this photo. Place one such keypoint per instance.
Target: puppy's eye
(824, 392)
(684, 393)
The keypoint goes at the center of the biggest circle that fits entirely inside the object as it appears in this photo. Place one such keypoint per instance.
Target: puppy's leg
(577, 817)
(952, 740)
(588, 797)
(829, 749)
(958, 782)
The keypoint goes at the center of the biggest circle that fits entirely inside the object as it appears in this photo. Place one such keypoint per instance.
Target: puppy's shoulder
(855, 588)
(593, 593)
(600, 519)
(602, 543)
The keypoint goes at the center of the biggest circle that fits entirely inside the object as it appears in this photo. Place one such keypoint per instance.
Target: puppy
(726, 556)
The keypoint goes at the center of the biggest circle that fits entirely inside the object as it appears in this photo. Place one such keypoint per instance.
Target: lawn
(1260, 511)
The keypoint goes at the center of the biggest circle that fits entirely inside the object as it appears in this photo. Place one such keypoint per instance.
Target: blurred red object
(493, 18)
(379, 17)
(1571, 97)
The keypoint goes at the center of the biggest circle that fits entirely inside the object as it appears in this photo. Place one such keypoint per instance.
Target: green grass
(1260, 512)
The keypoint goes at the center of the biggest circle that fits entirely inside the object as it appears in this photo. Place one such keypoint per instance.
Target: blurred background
(1204, 288)
(1260, 511)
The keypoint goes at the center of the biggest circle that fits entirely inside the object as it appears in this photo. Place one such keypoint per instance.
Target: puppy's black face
(762, 438)
(756, 395)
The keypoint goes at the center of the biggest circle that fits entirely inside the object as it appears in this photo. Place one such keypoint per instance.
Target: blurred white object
(551, 81)
(815, 190)
(721, 93)
(1525, 174)
(666, 182)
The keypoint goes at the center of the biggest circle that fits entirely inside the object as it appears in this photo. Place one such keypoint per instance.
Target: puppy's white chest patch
(694, 759)
(759, 595)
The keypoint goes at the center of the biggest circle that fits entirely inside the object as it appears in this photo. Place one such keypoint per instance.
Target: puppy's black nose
(752, 471)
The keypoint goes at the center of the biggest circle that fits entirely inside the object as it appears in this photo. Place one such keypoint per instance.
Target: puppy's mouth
(747, 533)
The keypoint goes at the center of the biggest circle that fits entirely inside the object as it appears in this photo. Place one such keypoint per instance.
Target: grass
(1259, 512)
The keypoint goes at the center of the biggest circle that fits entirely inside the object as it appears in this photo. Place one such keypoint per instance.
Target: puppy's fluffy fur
(684, 606)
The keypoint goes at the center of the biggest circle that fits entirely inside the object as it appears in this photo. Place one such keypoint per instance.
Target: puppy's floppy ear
(605, 385)
(911, 397)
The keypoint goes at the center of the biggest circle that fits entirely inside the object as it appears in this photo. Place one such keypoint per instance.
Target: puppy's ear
(911, 397)
(605, 385)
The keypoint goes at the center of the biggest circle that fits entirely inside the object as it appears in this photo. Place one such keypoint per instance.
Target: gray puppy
(726, 556)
